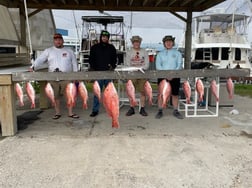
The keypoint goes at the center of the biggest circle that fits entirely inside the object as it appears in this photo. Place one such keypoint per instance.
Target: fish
(71, 93)
(213, 87)
(187, 91)
(82, 90)
(97, 90)
(230, 88)
(148, 92)
(130, 91)
(50, 93)
(31, 93)
(20, 94)
(164, 90)
(111, 103)
(200, 89)
(130, 69)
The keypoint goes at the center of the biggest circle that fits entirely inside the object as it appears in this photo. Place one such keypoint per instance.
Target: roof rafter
(171, 2)
(158, 2)
(185, 2)
(130, 2)
(145, 2)
(198, 2)
(77, 2)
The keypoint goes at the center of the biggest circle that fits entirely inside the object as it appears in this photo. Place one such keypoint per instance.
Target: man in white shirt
(59, 59)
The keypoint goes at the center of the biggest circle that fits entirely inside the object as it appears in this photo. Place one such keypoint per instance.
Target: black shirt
(102, 57)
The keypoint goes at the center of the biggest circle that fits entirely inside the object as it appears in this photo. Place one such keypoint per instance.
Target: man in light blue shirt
(169, 59)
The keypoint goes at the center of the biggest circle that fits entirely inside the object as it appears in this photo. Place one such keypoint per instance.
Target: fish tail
(115, 123)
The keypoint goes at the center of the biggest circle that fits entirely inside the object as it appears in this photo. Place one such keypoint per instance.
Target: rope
(28, 28)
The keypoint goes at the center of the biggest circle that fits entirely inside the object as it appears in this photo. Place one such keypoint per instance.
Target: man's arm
(179, 61)
(114, 58)
(41, 59)
(146, 60)
(92, 58)
(158, 62)
(74, 62)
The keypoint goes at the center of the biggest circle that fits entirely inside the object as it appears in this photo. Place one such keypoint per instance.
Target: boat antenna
(28, 30)
(77, 32)
(232, 34)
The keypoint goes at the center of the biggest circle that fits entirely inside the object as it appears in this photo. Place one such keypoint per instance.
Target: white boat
(221, 40)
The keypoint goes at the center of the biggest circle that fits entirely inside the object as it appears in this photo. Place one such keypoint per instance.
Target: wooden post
(188, 40)
(22, 25)
(8, 116)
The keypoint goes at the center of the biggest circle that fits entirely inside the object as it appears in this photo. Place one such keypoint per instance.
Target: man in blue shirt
(169, 59)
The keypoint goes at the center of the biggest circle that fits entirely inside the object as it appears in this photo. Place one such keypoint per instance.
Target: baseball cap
(57, 36)
(105, 33)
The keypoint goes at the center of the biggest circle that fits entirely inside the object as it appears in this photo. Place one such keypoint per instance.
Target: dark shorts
(175, 85)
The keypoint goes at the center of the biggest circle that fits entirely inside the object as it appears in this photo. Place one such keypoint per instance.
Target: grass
(243, 90)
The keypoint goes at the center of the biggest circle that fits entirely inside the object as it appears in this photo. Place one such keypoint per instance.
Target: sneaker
(142, 112)
(130, 112)
(159, 114)
(93, 114)
(177, 114)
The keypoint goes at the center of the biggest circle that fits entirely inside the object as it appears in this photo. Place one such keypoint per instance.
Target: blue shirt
(169, 59)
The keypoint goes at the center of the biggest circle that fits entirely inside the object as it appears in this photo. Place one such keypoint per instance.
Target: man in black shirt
(102, 58)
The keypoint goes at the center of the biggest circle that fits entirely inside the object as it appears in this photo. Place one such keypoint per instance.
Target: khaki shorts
(139, 84)
(59, 88)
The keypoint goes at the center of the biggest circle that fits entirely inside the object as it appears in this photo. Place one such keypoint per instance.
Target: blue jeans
(96, 103)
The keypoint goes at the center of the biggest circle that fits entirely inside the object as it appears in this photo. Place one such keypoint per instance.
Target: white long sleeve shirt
(61, 58)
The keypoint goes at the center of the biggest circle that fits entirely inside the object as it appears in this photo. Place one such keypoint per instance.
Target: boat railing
(220, 37)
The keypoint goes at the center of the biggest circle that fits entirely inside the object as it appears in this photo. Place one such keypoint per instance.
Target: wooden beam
(158, 2)
(7, 106)
(171, 2)
(63, 1)
(185, 2)
(117, 2)
(96, 75)
(77, 2)
(145, 2)
(104, 2)
(22, 25)
(130, 2)
(178, 16)
(36, 1)
(34, 12)
(188, 40)
(197, 3)
(90, 2)
(49, 1)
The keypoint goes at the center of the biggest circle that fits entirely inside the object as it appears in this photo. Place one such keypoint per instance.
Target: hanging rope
(28, 29)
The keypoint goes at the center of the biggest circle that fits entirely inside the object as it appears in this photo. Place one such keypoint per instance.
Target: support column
(22, 25)
(188, 40)
(8, 116)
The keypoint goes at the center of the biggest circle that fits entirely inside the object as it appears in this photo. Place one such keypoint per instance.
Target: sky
(151, 26)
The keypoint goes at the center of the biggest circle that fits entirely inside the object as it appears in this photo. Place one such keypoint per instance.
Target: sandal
(56, 116)
(74, 116)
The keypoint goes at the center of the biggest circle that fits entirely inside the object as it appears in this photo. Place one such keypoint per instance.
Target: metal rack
(193, 110)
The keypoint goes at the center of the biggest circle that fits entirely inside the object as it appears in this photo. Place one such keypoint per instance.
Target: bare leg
(70, 111)
(142, 99)
(57, 106)
(175, 101)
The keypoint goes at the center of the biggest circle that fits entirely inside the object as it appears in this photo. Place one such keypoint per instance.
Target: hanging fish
(148, 91)
(187, 91)
(20, 94)
(130, 91)
(82, 90)
(31, 93)
(50, 93)
(111, 103)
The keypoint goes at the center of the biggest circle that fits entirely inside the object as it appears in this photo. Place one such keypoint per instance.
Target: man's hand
(31, 69)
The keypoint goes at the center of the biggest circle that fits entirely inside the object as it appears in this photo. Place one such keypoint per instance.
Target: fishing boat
(92, 26)
(220, 40)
